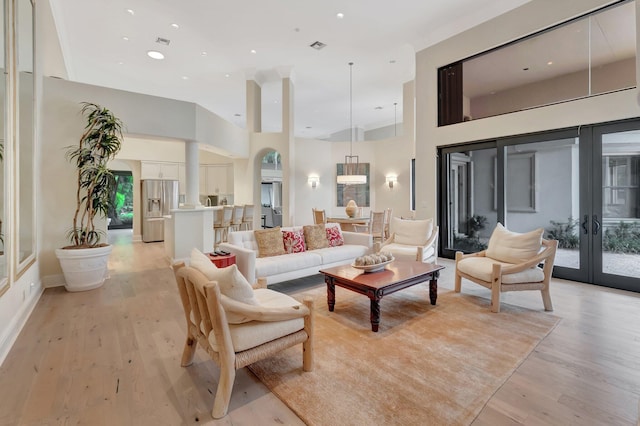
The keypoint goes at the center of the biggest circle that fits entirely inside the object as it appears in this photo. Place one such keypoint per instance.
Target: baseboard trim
(49, 281)
(17, 324)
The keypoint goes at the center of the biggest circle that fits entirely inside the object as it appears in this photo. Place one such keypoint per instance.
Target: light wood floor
(111, 356)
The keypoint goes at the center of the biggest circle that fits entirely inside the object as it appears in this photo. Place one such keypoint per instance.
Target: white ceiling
(379, 36)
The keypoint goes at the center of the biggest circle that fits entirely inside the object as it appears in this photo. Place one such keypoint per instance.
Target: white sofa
(293, 265)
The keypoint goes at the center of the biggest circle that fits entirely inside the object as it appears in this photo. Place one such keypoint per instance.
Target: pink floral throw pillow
(334, 236)
(293, 241)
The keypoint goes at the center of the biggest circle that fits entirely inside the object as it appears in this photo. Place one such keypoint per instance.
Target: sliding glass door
(582, 186)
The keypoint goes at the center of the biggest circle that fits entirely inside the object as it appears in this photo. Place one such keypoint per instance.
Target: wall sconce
(391, 179)
(313, 181)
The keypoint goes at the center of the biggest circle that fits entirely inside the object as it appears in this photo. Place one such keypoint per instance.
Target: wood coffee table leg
(331, 293)
(375, 314)
(433, 287)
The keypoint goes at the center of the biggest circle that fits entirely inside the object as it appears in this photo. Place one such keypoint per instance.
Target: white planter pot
(84, 269)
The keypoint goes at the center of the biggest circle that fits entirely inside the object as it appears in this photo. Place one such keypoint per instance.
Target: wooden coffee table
(397, 275)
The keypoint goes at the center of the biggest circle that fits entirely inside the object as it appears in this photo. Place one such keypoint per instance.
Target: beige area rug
(428, 365)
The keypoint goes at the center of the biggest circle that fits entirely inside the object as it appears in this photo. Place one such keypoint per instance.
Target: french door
(580, 185)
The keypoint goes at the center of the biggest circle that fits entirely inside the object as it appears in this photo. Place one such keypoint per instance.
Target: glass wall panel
(26, 221)
(3, 136)
(471, 214)
(543, 191)
(590, 55)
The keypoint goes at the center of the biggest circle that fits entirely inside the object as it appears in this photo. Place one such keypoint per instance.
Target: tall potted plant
(84, 262)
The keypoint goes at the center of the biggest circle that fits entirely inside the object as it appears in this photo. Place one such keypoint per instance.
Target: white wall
(517, 23)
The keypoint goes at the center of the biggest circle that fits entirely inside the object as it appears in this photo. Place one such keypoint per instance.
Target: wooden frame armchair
(412, 240)
(278, 323)
(499, 276)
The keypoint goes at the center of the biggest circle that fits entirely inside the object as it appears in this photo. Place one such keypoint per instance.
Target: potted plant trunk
(85, 262)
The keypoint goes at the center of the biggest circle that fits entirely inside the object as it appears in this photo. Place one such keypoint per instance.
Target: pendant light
(351, 162)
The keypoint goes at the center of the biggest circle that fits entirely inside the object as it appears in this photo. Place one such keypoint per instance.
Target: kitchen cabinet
(214, 179)
(159, 170)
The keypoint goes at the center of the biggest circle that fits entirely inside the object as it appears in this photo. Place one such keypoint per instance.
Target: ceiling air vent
(317, 45)
(163, 41)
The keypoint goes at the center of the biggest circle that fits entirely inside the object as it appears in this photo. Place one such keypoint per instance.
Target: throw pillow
(411, 232)
(235, 286)
(293, 241)
(514, 247)
(334, 235)
(202, 263)
(315, 236)
(269, 242)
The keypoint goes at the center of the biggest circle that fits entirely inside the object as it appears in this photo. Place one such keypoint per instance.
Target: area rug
(428, 365)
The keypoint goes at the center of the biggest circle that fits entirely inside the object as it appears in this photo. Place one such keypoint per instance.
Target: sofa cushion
(482, 267)
(403, 251)
(411, 232)
(513, 247)
(315, 236)
(253, 333)
(274, 265)
(244, 239)
(269, 242)
(202, 263)
(338, 254)
(293, 241)
(334, 235)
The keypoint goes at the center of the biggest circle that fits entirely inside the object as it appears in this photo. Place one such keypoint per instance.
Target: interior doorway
(120, 215)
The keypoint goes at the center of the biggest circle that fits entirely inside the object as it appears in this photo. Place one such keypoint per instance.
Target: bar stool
(247, 217)
(236, 218)
(221, 224)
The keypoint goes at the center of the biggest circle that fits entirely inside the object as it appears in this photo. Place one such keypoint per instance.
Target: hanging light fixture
(350, 174)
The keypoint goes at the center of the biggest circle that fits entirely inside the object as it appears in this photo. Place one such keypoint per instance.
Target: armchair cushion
(202, 263)
(411, 232)
(233, 285)
(269, 242)
(481, 267)
(253, 333)
(403, 251)
(513, 247)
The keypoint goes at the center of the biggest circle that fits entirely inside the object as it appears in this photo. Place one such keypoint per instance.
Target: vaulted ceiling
(212, 47)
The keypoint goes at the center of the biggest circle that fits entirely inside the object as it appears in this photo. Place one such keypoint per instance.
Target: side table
(223, 261)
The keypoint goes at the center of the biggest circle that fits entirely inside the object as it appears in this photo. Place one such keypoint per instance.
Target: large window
(588, 56)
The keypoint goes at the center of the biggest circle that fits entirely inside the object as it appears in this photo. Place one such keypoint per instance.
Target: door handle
(596, 225)
(585, 224)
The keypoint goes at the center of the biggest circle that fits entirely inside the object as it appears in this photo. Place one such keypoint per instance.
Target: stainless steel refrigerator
(159, 197)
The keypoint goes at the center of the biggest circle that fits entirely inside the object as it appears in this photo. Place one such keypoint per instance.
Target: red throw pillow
(293, 241)
(334, 235)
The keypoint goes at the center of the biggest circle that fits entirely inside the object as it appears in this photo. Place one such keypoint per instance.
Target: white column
(192, 169)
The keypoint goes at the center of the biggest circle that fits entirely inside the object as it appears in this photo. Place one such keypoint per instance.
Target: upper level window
(590, 55)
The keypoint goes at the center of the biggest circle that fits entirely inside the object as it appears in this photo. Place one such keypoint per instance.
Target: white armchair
(240, 327)
(511, 262)
(412, 239)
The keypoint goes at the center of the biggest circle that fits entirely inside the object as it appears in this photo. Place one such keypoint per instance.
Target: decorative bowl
(372, 268)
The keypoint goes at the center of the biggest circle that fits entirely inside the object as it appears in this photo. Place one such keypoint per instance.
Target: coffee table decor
(373, 262)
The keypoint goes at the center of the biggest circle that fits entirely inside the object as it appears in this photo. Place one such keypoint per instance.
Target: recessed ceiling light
(340, 15)
(203, 53)
(253, 51)
(176, 26)
(227, 75)
(237, 115)
(155, 54)
(130, 12)
(120, 63)
(275, 102)
(125, 38)
(378, 107)
(184, 77)
(550, 63)
(393, 61)
(308, 127)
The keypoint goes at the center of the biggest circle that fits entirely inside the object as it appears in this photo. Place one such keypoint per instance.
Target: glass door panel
(471, 214)
(617, 228)
(542, 189)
